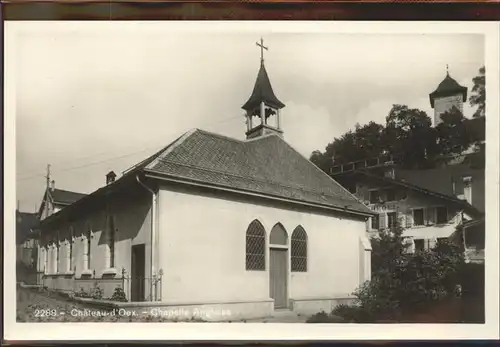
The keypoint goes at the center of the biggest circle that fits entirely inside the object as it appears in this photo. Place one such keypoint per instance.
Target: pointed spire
(262, 90)
(263, 103)
(448, 87)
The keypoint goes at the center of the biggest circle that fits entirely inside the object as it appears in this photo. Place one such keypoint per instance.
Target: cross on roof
(262, 48)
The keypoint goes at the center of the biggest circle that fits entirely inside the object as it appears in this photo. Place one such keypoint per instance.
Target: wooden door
(278, 277)
(138, 273)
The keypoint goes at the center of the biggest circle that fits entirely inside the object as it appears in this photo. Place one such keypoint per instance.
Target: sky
(90, 101)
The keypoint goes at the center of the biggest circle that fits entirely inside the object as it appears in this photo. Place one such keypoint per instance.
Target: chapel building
(249, 226)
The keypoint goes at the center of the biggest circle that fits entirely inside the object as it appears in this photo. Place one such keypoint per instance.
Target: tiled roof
(24, 222)
(440, 179)
(265, 165)
(65, 197)
(413, 184)
(262, 91)
(448, 87)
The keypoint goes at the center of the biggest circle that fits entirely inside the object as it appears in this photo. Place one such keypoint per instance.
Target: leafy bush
(82, 294)
(323, 317)
(119, 295)
(403, 282)
(97, 293)
(352, 313)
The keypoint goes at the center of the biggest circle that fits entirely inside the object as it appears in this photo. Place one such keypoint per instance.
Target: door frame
(283, 248)
(132, 271)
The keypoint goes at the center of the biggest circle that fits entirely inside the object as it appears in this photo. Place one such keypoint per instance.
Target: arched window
(255, 246)
(278, 235)
(299, 250)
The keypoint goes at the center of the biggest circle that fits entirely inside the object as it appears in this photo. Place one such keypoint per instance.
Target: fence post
(123, 279)
(160, 276)
(95, 282)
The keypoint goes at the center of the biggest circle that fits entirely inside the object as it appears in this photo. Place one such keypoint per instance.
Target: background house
(25, 239)
(55, 199)
(426, 215)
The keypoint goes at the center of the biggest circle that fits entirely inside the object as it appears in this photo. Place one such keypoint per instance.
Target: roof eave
(436, 94)
(182, 180)
(252, 104)
(85, 199)
(462, 203)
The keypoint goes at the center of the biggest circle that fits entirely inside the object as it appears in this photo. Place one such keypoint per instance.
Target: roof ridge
(265, 136)
(69, 191)
(219, 135)
(251, 179)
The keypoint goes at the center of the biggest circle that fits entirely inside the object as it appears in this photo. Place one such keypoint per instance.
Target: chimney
(110, 177)
(52, 185)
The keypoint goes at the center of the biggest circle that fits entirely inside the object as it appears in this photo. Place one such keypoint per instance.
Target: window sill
(109, 272)
(87, 273)
(68, 273)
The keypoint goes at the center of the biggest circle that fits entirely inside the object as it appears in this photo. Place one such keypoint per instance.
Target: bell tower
(263, 104)
(447, 95)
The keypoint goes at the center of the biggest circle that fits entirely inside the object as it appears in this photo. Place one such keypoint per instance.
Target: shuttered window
(382, 221)
(441, 215)
(375, 223)
(392, 219)
(431, 215)
(418, 216)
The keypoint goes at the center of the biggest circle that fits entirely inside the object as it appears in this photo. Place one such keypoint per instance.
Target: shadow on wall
(129, 219)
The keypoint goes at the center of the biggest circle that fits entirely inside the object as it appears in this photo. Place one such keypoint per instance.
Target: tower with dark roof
(447, 95)
(264, 105)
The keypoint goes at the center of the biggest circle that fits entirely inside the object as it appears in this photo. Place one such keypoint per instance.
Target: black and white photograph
(315, 175)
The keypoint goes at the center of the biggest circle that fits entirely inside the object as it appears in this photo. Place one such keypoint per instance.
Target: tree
(409, 134)
(453, 134)
(478, 93)
(321, 160)
(364, 142)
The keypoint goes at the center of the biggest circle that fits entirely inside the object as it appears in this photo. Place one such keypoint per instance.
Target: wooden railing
(368, 163)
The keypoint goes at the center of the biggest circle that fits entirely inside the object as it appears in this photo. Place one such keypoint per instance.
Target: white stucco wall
(201, 239)
(132, 224)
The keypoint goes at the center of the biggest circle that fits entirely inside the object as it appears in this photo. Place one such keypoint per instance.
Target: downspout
(153, 231)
